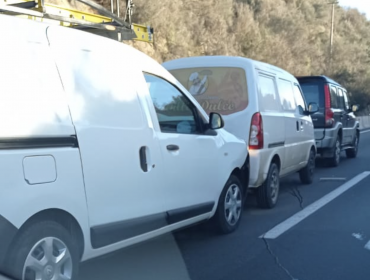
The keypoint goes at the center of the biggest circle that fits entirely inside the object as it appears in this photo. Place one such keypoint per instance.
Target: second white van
(261, 104)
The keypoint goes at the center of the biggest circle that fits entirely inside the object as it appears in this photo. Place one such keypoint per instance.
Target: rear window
(313, 92)
(217, 89)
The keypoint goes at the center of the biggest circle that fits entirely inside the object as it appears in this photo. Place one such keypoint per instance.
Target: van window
(340, 99)
(268, 97)
(286, 95)
(299, 99)
(217, 89)
(333, 96)
(175, 113)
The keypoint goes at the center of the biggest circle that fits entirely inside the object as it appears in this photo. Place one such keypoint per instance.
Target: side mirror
(313, 108)
(354, 108)
(216, 121)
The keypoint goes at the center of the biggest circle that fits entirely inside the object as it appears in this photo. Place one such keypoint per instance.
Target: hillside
(292, 34)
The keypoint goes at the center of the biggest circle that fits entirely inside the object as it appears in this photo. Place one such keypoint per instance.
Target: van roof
(322, 77)
(36, 31)
(221, 61)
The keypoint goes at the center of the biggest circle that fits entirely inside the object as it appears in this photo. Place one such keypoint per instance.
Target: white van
(261, 104)
(101, 148)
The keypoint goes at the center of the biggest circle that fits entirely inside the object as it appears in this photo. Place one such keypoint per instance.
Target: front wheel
(230, 206)
(306, 174)
(44, 251)
(267, 194)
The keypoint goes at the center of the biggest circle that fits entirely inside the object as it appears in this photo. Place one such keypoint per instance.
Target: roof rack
(106, 23)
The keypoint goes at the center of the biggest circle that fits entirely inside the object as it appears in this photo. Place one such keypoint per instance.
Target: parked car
(101, 148)
(261, 104)
(336, 127)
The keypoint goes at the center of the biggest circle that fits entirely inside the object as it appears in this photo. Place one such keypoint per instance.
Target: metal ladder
(106, 23)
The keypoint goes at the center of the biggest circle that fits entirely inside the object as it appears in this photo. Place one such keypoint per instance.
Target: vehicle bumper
(7, 234)
(325, 138)
(258, 160)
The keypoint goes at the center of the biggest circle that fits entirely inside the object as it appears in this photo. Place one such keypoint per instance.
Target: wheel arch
(63, 218)
(276, 159)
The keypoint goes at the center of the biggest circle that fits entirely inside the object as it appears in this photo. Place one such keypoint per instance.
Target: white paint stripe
(301, 215)
(366, 131)
(367, 246)
(333, 179)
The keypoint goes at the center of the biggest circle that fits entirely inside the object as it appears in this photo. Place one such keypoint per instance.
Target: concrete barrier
(364, 122)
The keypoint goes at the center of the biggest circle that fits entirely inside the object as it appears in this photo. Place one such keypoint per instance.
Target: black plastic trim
(277, 144)
(103, 235)
(178, 215)
(38, 142)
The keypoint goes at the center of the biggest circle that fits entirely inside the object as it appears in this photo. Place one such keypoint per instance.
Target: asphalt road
(328, 244)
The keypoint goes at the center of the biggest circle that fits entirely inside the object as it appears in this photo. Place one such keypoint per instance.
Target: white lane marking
(333, 179)
(366, 131)
(367, 246)
(303, 214)
(358, 236)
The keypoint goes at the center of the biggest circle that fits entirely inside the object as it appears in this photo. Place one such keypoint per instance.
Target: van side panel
(272, 118)
(34, 105)
(39, 156)
(121, 159)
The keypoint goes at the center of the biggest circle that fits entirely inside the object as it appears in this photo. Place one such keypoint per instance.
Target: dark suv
(336, 127)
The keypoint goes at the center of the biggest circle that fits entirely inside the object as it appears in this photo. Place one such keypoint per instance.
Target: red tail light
(329, 114)
(256, 132)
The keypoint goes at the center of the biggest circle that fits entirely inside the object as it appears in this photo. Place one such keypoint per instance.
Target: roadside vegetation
(292, 34)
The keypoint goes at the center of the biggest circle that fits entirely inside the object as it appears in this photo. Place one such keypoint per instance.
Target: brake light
(329, 114)
(256, 132)
(327, 96)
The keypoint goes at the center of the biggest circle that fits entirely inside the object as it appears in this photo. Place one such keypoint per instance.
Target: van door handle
(297, 125)
(173, 148)
(143, 159)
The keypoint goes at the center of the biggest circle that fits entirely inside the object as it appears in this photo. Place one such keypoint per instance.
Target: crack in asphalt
(277, 261)
(296, 193)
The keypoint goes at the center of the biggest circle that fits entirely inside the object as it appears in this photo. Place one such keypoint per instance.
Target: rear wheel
(352, 152)
(267, 194)
(230, 206)
(44, 251)
(337, 149)
(306, 174)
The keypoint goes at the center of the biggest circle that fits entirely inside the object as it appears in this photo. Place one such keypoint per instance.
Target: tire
(306, 174)
(40, 244)
(352, 152)
(230, 206)
(335, 159)
(267, 194)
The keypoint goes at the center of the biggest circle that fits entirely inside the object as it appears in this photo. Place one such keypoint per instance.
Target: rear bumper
(7, 234)
(259, 163)
(325, 138)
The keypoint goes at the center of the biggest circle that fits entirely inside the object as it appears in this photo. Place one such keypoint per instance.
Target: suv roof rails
(106, 23)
